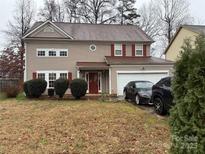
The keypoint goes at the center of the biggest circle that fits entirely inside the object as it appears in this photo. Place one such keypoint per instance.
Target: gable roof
(37, 26)
(99, 32)
(199, 29)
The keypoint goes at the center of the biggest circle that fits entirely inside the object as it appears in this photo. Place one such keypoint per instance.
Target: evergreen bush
(34, 88)
(60, 86)
(78, 88)
(187, 117)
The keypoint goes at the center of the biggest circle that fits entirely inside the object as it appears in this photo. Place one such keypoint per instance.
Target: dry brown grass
(28, 127)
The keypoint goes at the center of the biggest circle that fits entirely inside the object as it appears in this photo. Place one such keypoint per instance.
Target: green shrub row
(35, 88)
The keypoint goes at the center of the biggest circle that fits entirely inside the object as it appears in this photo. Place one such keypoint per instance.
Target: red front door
(93, 83)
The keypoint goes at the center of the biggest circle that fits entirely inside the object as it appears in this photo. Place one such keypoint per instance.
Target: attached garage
(123, 77)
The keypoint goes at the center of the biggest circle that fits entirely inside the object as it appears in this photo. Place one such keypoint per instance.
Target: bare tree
(149, 20)
(97, 11)
(72, 8)
(172, 13)
(17, 28)
(52, 11)
(127, 12)
(161, 18)
(21, 22)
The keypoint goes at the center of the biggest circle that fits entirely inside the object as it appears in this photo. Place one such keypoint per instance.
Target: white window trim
(51, 49)
(118, 44)
(141, 48)
(51, 71)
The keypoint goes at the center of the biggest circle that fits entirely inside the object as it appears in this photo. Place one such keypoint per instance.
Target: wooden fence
(7, 82)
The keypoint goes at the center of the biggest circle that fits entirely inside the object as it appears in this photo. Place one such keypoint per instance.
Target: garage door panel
(124, 78)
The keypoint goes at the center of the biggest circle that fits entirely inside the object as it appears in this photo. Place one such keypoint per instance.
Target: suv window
(167, 82)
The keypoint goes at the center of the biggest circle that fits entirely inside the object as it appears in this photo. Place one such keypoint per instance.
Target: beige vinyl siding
(173, 52)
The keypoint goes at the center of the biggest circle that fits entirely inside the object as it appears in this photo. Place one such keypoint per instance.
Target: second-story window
(52, 53)
(46, 52)
(118, 49)
(138, 50)
(63, 53)
(41, 53)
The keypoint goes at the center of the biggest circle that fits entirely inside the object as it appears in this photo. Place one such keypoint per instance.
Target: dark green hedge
(35, 88)
(60, 86)
(78, 88)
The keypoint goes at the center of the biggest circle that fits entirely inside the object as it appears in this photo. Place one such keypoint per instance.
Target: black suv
(161, 96)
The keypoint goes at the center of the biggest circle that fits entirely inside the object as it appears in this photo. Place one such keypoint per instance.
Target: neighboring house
(185, 32)
(106, 56)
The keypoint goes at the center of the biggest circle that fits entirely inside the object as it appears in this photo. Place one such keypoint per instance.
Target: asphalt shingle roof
(101, 32)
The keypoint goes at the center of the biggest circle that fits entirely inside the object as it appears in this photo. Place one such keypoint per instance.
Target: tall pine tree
(127, 12)
(188, 115)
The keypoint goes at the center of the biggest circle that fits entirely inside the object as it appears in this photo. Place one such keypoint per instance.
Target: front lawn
(80, 127)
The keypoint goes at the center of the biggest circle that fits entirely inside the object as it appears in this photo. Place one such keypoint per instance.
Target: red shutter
(69, 76)
(34, 75)
(133, 50)
(112, 50)
(144, 50)
(124, 50)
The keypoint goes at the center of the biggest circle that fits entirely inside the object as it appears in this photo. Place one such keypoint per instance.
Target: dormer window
(118, 49)
(138, 50)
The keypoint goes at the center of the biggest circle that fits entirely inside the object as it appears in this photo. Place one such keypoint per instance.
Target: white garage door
(124, 78)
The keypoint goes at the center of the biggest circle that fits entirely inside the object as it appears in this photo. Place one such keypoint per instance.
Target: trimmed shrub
(78, 88)
(60, 86)
(35, 88)
(187, 118)
(11, 91)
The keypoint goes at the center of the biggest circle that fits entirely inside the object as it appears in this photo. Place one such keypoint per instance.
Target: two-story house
(106, 56)
(190, 32)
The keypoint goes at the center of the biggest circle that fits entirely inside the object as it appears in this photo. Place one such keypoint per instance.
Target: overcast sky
(8, 6)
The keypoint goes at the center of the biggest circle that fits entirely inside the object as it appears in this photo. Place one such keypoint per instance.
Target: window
(92, 47)
(52, 53)
(52, 78)
(63, 75)
(118, 49)
(41, 76)
(139, 50)
(63, 54)
(41, 53)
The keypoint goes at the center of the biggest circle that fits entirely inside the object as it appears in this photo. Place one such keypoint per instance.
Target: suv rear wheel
(159, 106)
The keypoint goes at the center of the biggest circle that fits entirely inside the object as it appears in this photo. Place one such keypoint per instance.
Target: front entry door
(93, 83)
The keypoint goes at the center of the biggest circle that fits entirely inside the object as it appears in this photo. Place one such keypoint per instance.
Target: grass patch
(80, 127)
(3, 96)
